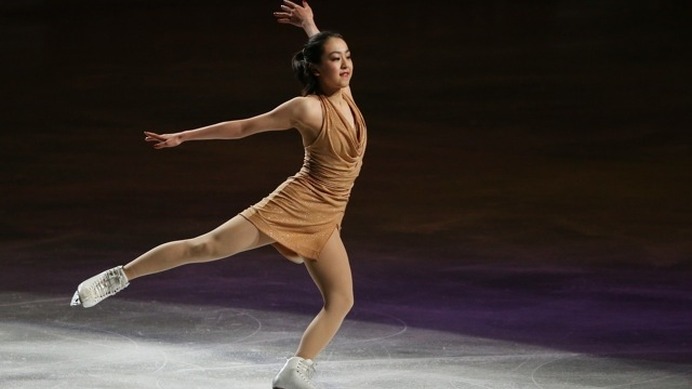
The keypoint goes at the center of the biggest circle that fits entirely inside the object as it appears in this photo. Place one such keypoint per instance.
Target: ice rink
(522, 219)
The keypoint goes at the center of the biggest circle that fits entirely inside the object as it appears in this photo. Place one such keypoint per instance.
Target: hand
(294, 14)
(162, 141)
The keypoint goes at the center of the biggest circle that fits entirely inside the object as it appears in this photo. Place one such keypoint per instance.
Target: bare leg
(332, 275)
(234, 236)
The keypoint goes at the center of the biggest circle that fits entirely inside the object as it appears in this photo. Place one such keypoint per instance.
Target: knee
(202, 248)
(348, 304)
(340, 302)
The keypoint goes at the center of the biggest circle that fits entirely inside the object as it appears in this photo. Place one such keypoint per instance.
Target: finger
(155, 136)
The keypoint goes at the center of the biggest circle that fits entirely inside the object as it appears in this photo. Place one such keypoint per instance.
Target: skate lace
(110, 284)
(306, 370)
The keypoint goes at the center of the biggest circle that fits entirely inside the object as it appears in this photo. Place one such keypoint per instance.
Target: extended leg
(232, 237)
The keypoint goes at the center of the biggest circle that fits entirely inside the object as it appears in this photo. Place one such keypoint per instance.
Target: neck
(335, 95)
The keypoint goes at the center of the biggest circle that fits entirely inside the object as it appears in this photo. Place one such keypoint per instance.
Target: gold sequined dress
(303, 212)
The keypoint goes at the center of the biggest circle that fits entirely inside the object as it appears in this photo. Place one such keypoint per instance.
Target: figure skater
(302, 217)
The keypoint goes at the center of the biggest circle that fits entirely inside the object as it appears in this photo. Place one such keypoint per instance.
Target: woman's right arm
(300, 112)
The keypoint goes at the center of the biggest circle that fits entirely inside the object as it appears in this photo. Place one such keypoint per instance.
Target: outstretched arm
(294, 113)
(297, 15)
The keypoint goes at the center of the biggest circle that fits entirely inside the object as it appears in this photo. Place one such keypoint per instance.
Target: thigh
(332, 270)
(235, 236)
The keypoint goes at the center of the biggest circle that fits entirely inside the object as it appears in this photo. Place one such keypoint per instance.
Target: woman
(302, 217)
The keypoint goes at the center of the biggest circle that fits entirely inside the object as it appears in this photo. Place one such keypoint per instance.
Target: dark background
(513, 131)
(528, 176)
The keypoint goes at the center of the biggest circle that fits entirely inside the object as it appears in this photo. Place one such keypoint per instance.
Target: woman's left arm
(302, 17)
(297, 15)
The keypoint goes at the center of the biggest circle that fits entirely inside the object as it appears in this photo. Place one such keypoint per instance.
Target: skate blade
(76, 301)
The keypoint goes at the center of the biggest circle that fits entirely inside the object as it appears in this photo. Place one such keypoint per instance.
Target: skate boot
(97, 288)
(295, 374)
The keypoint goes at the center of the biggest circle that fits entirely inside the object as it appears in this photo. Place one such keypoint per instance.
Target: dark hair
(311, 55)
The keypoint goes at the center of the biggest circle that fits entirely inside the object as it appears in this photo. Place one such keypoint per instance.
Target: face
(336, 68)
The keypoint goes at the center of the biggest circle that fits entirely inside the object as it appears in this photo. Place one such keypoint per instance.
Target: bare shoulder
(308, 115)
(306, 105)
